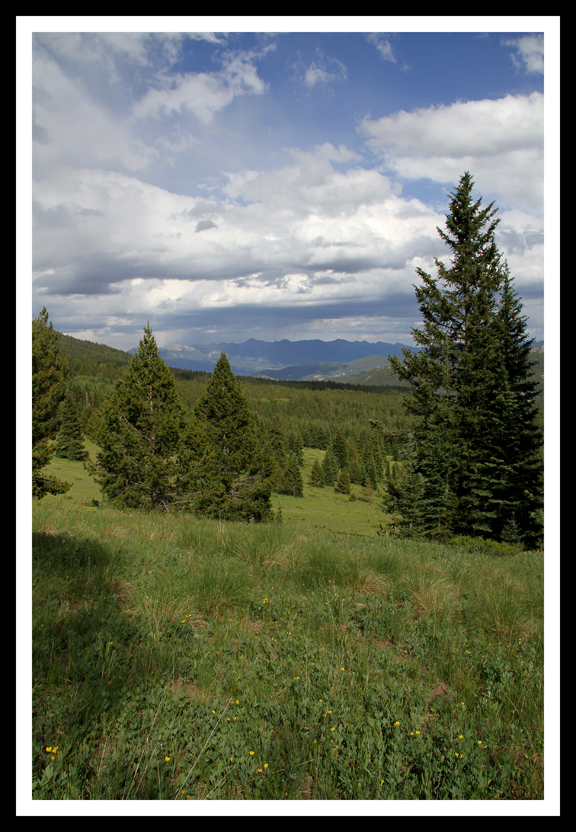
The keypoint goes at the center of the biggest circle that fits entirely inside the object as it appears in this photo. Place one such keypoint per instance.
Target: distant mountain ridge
(265, 358)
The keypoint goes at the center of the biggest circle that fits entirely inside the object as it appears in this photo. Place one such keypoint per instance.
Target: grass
(323, 508)
(184, 659)
(320, 508)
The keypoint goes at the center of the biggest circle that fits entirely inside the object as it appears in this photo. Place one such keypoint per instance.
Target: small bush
(486, 547)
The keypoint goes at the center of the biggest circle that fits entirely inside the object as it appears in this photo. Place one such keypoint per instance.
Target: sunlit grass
(166, 648)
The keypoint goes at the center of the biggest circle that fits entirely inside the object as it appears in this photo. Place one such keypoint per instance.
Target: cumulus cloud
(496, 140)
(529, 53)
(202, 93)
(317, 235)
(71, 127)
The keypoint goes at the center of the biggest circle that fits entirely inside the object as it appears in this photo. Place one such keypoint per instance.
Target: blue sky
(274, 183)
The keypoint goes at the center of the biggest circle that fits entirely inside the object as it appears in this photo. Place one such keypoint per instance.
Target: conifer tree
(471, 394)
(317, 474)
(339, 448)
(292, 479)
(49, 377)
(403, 499)
(235, 473)
(141, 429)
(296, 446)
(343, 486)
(70, 441)
(330, 467)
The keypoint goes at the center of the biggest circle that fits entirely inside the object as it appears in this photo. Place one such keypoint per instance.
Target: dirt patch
(306, 787)
(385, 645)
(179, 687)
(438, 690)
(249, 626)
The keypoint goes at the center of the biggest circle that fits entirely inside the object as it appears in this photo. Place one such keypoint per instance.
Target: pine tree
(235, 473)
(520, 438)
(330, 467)
(403, 499)
(317, 478)
(470, 390)
(343, 486)
(142, 427)
(70, 441)
(339, 448)
(49, 378)
(296, 446)
(292, 479)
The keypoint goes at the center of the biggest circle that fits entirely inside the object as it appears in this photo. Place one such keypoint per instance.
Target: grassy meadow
(184, 659)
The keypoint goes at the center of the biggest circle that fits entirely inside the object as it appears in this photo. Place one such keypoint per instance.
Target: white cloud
(300, 234)
(383, 45)
(498, 141)
(203, 94)
(73, 128)
(529, 53)
(315, 75)
(322, 72)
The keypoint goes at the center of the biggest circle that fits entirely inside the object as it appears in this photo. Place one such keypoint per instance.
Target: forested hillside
(364, 425)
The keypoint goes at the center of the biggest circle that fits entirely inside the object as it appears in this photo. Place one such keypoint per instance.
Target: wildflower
(166, 759)
(265, 765)
(49, 749)
(396, 724)
(251, 753)
(461, 737)
(417, 732)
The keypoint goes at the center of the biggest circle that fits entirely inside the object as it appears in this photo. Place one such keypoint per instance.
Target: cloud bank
(320, 240)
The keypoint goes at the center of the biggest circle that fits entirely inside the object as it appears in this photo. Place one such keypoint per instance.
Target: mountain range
(293, 360)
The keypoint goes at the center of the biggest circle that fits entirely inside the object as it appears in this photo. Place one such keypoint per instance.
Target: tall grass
(177, 658)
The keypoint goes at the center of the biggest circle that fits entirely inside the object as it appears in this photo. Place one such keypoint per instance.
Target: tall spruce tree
(49, 377)
(292, 480)
(317, 477)
(235, 473)
(477, 447)
(141, 429)
(403, 497)
(70, 440)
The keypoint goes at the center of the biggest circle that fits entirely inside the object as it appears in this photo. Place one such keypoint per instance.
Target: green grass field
(182, 659)
(320, 508)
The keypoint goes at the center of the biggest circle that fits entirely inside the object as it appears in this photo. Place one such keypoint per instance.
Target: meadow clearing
(177, 658)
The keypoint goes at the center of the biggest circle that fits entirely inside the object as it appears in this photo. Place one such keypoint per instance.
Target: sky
(274, 183)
